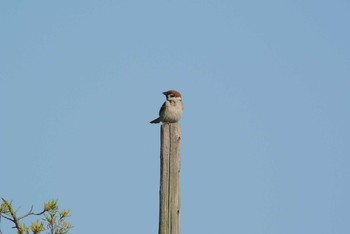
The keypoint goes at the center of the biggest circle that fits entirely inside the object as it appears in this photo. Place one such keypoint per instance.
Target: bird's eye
(171, 95)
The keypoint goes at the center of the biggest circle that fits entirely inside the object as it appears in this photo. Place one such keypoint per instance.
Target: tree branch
(12, 213)
(30, 212)
(8, 218)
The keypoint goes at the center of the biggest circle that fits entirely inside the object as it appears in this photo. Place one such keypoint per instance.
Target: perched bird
(171, 110)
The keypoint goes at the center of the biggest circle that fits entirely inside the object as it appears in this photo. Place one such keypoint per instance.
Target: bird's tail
(157, 120)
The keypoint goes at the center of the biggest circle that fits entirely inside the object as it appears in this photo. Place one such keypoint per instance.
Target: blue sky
(265, 132)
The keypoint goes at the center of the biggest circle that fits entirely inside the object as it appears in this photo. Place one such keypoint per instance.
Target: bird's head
(172, 95)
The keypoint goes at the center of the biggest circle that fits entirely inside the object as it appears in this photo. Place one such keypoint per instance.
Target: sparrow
(172, 108)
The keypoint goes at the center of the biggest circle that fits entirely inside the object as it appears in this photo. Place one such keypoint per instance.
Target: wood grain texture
(169, 194)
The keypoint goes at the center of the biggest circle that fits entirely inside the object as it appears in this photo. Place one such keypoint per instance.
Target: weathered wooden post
(169, 193)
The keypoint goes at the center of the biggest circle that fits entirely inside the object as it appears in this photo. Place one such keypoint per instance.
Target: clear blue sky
(265, 133)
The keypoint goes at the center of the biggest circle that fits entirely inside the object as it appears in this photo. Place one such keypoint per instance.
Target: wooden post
(169, 193)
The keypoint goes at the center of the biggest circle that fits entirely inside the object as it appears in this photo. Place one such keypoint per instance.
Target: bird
(172, 108)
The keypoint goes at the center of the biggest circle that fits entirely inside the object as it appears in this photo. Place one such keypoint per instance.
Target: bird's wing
(162, 108)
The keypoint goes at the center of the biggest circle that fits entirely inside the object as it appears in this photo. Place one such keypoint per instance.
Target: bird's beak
(165, 93)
